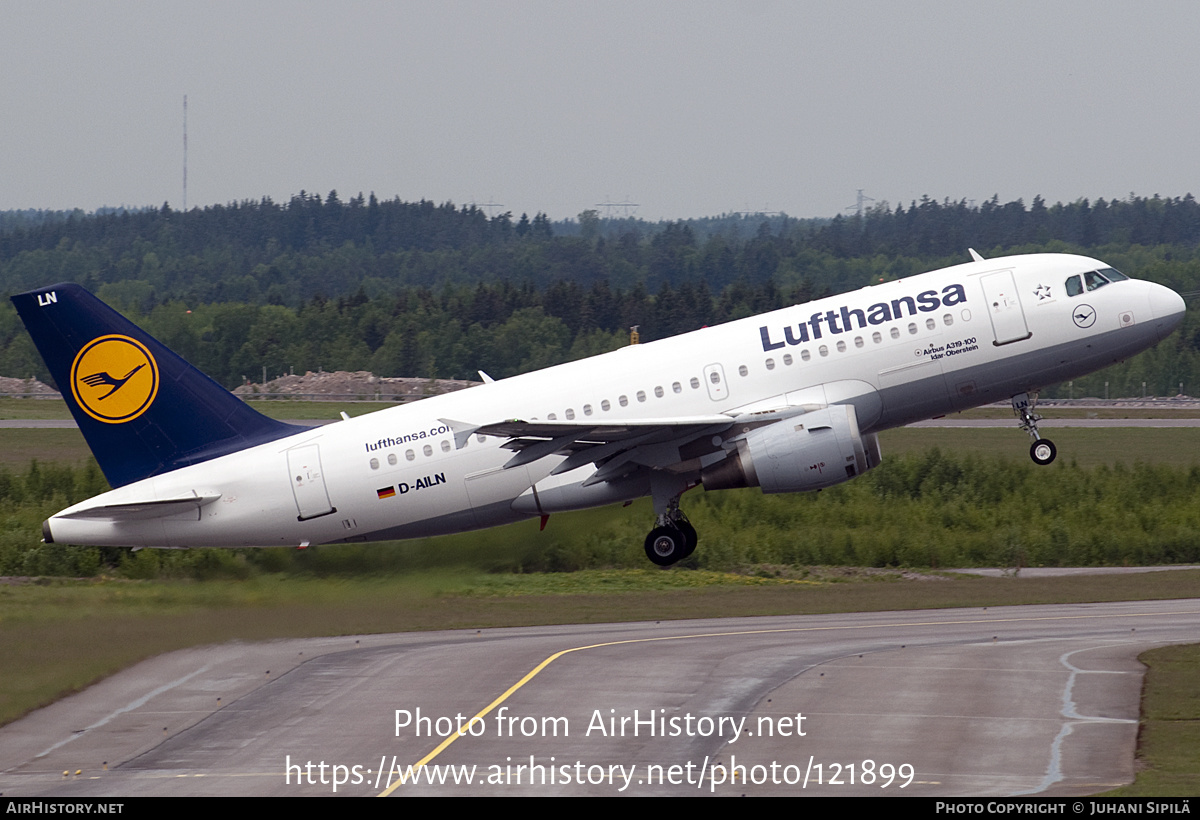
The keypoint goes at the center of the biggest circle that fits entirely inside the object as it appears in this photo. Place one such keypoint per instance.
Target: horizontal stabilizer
(142, 510)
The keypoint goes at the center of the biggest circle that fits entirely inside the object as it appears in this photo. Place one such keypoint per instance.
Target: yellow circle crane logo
(114, 379)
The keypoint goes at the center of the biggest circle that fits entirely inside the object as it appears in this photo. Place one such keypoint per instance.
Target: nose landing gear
(1042, 451)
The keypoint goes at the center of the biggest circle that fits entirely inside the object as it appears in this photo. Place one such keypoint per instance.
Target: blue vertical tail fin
(142, 409)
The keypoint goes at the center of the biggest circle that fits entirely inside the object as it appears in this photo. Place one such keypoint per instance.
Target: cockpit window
(1113, 275)
(1074, 286)
(1094, 280)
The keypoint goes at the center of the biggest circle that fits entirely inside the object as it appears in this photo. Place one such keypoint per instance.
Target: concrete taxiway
(967, 702)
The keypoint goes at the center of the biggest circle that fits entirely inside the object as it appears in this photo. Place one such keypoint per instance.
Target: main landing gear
(671, 542)
(1042, 451)
(673, 537)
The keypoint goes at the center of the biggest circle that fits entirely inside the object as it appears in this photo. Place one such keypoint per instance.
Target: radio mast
(185, 153)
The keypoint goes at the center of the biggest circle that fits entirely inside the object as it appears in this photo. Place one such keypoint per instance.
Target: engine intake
(803, 452)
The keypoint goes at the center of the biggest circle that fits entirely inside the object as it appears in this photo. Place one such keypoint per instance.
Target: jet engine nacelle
(809, 451)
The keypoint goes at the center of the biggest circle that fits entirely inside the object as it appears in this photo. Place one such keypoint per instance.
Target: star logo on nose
(1042, 292)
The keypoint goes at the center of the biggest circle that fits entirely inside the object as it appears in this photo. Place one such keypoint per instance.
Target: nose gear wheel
(1042, 451)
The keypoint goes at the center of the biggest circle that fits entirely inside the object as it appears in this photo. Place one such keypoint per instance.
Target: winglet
(486, 378)
(462, 431)
(975, 257)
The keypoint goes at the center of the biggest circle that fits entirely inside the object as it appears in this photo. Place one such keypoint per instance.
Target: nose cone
(1168, 309)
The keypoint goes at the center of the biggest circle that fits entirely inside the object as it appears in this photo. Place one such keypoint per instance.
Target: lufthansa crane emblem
(1083, 316)
(114, 378)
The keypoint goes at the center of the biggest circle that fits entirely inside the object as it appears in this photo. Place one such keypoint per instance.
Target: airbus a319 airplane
(787, 401)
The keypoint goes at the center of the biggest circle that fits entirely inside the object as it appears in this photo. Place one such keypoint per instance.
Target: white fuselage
(899, 352)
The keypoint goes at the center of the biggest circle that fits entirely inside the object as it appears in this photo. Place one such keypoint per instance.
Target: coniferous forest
(439, 291)
(420, 289)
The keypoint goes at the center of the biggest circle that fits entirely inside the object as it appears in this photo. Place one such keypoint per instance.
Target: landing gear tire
(666, 545)
(689, 537)
(1043, 451)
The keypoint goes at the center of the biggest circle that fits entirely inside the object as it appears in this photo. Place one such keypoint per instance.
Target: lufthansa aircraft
(787, 401)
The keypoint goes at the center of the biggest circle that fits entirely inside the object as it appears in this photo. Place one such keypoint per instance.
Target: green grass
(11, 408)
(1168, 755)
(1164, 412)
(19, 446)
(1088, 447)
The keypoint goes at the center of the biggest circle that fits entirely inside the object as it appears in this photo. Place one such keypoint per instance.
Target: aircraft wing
(615, 448)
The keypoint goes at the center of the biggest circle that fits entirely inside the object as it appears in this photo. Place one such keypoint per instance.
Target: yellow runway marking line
(551, 659)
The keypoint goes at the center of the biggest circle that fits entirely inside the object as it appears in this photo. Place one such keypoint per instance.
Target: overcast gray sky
(686, 108)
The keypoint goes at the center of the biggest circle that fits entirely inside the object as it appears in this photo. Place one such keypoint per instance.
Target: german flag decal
(386, 492)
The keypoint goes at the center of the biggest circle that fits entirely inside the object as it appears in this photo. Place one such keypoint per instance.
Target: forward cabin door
(1004, 307)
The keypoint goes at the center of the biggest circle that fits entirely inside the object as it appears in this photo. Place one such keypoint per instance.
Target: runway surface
(978, 702)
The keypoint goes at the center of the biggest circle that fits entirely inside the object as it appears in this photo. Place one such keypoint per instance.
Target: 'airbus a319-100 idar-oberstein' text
(787, 401)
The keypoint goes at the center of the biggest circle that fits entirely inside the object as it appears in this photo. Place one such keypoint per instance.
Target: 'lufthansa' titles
(847, 319)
